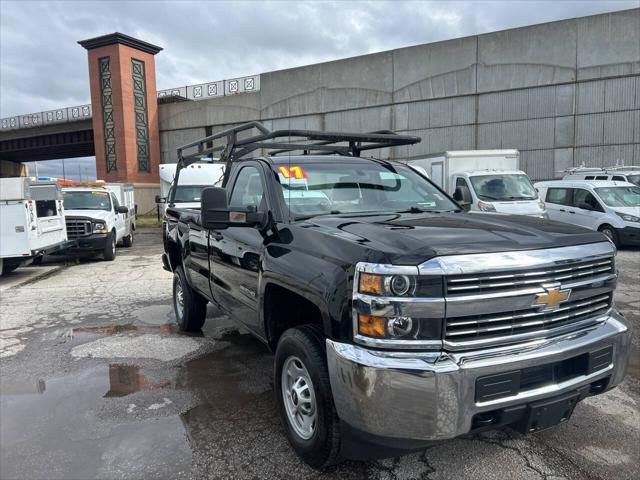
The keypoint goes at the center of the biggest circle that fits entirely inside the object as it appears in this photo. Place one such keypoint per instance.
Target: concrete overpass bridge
(563, 93)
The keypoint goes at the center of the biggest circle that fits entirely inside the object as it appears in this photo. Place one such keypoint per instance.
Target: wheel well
(284, 309)
(173, 252)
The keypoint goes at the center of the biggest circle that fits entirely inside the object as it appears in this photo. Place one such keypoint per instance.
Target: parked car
(96, 220)
(31, 221)
(484, 180)
(396, 317)
(612, 208)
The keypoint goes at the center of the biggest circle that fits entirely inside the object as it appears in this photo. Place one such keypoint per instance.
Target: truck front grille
(501, 282)
(505, 324)
(77, 228)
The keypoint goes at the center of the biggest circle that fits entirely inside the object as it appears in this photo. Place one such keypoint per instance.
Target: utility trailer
(31, 221)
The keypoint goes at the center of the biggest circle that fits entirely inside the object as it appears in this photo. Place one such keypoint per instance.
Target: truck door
(119, 218)
(236, 253)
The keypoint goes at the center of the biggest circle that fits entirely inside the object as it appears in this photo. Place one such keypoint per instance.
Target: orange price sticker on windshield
(293, 172)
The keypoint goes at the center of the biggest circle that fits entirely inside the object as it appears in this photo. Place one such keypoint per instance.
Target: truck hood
(410, 239)
(95, 214)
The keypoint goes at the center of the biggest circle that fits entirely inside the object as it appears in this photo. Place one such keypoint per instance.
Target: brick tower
(122, 78)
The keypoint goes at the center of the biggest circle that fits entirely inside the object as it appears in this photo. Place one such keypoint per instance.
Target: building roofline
(117, 37)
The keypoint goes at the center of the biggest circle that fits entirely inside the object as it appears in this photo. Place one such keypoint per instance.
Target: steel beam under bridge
(52, 145)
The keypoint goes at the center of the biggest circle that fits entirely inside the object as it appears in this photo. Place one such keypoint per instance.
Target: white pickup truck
(32, 221)
(96, 220)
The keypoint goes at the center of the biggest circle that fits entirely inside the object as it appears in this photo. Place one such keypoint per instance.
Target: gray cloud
(42, 67)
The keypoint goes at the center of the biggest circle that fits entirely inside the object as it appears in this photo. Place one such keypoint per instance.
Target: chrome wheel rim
(299, 397)
(608, 233)
(179, 299)
(113, 246)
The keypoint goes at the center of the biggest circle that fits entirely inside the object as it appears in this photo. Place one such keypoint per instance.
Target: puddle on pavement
(84, 334)
(81, 425)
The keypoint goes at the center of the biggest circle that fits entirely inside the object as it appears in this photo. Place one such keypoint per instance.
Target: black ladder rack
(282, 141)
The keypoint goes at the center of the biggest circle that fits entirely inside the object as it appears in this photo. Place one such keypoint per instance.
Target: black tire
(193, 311)
(306, 343)
(9, 266)
(128, 240)
(109, 251)
(610, 232)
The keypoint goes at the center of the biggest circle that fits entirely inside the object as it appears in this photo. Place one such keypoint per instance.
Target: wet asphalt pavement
(96, 382)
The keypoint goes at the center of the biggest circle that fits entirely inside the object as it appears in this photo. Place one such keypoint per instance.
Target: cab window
(247, 190)
(559, 196)
(618, 178)
(583, 198)
(602, 177)
(116, 204)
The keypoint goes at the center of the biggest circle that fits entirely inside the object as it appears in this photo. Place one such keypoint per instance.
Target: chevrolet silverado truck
(397, 318)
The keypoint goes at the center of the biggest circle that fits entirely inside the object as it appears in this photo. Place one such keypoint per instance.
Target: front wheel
(109, 252)
(304, 398)
(610, 232)
(189, 307)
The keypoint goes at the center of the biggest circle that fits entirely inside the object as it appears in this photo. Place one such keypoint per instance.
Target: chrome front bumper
(431, 395)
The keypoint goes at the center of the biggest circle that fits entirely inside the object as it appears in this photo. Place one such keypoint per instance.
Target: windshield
(365, 186)
(620, 196)
(188, 193)
(634, 179)
(503, 187)
(88, 200)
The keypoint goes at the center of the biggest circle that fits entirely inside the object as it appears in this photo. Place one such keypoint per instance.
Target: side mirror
(216, 215)
(160, 199)
(462, 195)
(122, 209)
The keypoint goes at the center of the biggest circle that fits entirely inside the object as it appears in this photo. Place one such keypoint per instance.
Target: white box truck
(125, 196)
(193, 179)
(31, 221)
(484, 180)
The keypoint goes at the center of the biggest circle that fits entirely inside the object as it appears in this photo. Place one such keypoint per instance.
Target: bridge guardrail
(196, 92)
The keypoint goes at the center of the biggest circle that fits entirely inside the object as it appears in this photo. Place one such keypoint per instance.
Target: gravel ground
(96, 382)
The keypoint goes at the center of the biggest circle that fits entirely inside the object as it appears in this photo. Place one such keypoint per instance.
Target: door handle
(570, 211)
(562, 210)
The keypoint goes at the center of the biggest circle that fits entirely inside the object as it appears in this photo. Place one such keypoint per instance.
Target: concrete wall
(562, 93)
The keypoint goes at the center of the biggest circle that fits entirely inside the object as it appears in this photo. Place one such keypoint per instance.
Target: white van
(612, 208)
(31, 221)
(96, 220)
(484, 180)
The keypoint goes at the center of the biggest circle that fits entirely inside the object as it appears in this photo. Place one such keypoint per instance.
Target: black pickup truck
(396, 317)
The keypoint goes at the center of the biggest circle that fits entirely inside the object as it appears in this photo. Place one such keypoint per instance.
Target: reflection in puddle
(128, 379)
(22, 387)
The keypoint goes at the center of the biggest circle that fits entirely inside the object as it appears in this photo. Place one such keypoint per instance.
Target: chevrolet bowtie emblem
(552, 298)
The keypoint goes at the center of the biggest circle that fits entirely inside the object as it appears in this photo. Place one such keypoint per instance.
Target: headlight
(398, 310)
(486, 207)
(389, 285)
(100, 227)
(628, 218)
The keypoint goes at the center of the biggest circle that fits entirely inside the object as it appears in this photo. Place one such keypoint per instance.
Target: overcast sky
(42, 67)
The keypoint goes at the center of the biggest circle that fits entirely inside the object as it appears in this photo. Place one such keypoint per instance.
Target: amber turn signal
(371, 326)
(371, 284)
